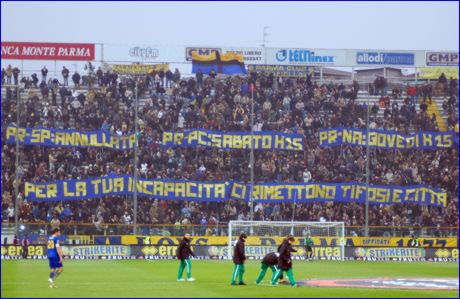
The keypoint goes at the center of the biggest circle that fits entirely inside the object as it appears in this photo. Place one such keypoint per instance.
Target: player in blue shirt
(54, 257)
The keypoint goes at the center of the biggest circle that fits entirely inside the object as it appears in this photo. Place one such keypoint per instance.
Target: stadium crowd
(170, 102)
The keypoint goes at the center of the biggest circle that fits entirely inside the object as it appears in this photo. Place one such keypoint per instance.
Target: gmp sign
(442, 58)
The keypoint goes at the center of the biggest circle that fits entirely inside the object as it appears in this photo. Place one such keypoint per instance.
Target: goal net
(324, 234)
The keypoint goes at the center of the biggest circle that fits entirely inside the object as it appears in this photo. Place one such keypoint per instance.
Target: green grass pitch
(142, 278)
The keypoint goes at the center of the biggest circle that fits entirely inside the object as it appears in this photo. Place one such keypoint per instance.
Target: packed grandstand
(168, 102)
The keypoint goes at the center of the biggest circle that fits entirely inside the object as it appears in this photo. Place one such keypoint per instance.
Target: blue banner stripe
(222, 191)
(387, 139)
(69, 138)
(266, 140)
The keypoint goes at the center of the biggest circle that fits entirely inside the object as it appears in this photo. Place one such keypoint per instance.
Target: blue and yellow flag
(228, 63)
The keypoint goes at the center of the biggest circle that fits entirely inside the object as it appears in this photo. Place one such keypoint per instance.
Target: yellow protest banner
(138, 69)
(435, 72)
(267, 140)
(386, 139)
(69, 138)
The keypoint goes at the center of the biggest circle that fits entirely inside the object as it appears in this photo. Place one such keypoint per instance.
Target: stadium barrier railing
(218, 229)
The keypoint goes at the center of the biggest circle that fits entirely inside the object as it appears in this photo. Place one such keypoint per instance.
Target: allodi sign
(48, 51)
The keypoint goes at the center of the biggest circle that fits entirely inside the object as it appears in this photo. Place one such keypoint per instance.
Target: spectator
(380, 84)
(126, 218)
(427, 91)
(65, 75)
(169, 78)
(161, 75)
(44, 73)
(3, 75)
(442, 79)
(176, 77)
(55, 222)
(10, 213)
(100, 76)
(27, 83)
(306, 176)
(76, 79)
(199, 79)
(453, 86)
(44, 89)
(287, 103)
(412, 93)
(375, 110)
(52, 160)
(16, 72)
(212, 74)
(35, 80)
(9, 73)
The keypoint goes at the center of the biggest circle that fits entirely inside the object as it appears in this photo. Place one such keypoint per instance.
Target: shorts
(308, 249)
(54, 263)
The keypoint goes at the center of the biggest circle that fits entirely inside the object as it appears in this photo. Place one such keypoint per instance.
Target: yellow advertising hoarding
(435, 72)
(318, 241)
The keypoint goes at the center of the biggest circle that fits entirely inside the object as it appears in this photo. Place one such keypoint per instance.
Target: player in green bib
(309, 247)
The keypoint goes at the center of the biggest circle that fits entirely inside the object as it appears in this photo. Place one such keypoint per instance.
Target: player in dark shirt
(269, 261)
(238, 259)
(285, 261)
(25, 247)
(183, 254)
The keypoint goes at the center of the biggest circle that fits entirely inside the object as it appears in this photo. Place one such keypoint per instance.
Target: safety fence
(206, 252)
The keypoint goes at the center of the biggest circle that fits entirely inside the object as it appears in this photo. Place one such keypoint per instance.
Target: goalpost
(283, 228)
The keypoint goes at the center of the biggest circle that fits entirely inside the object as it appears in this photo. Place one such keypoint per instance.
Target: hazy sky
(385, 25)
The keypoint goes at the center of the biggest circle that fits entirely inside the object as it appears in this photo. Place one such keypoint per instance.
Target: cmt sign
(200, 51)
(442, 58)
